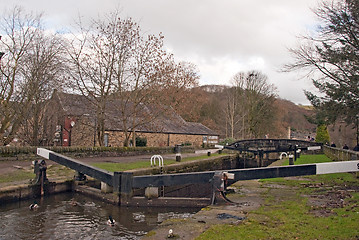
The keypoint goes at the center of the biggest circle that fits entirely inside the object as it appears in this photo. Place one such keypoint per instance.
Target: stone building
(70, 120)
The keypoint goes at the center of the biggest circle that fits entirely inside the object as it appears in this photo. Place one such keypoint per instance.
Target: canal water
(75, 216)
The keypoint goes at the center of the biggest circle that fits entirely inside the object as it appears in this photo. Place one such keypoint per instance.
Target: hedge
(11, 151)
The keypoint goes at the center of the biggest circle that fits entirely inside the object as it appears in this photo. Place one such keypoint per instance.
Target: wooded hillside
(205, 104)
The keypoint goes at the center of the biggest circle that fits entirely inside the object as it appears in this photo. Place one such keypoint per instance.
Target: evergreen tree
(322, 134)
(332, 55)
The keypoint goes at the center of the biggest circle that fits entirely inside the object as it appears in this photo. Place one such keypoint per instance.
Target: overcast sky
(220, 37)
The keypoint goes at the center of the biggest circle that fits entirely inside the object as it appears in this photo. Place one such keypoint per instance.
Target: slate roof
(74, 104)
(166, 122)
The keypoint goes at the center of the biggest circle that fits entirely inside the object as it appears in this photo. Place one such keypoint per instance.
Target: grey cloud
(206, 31)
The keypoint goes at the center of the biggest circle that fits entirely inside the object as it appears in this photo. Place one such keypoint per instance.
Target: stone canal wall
(22, 192)
(337, 154)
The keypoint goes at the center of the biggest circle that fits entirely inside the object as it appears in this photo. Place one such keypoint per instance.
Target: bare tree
(113, 61)
(19, 30)
(155, 83)
(249, 107)
(149, 69)
(179, 93)
(260, 97)
(95, 55)
(43, 71)
(233, 110)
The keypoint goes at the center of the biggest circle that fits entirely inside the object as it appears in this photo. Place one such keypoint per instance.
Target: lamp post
(72, 124)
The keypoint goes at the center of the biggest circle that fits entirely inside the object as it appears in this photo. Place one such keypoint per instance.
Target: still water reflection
(74, 216)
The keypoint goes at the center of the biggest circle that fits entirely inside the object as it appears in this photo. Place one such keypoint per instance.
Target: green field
(307, 159)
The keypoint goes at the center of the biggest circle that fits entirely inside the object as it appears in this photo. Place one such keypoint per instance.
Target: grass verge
(308, 159)
(292, 219)
(23, 175)
(117, 167)
(16, 176)
(314, 207)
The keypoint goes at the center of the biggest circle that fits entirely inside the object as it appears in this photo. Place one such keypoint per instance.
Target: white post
(289, 132)
(160, 160)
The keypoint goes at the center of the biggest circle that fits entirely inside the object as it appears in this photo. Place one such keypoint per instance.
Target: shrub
(322, 134)
(227, 141)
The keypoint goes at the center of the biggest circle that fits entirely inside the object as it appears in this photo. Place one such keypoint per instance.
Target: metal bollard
(178, 153)
(291, 159)
(40, 171)
(79, 176)
(40, 168)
